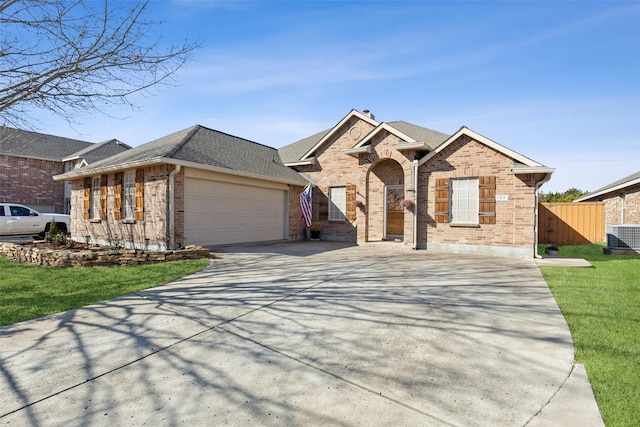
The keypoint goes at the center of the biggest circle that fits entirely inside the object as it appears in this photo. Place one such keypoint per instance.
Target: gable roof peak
(364, 116)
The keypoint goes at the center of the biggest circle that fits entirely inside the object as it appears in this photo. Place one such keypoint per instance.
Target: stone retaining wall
(97, 257)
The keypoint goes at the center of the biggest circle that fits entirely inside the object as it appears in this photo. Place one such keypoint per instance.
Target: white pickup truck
(18, 219)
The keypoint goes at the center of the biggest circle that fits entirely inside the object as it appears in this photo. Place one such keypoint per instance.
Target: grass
(602, 307)
(28, 292)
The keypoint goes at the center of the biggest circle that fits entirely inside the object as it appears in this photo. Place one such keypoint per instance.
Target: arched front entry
(385, 188)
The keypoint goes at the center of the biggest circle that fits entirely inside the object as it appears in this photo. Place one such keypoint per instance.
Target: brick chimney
(369, 114)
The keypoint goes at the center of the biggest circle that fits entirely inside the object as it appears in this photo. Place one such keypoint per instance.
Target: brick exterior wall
(369, 172)
(296, 223)
(30, 182)
(514, 230)
(513, 234)
(333, 168)
(153, 226)
(613, 206)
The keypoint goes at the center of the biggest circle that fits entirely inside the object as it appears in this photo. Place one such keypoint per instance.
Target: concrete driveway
(307, 334)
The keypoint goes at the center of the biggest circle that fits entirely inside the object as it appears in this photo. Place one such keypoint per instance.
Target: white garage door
(218, 213)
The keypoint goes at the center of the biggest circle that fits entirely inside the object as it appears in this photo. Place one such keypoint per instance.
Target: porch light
(87, 239)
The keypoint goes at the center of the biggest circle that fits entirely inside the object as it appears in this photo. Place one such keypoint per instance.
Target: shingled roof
(99, 151)
(199, 146)
(34, 145)
(621, 184)
(293, 152)
(432, 138)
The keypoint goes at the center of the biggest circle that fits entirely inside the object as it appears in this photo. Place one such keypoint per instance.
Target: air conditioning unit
(623, 236)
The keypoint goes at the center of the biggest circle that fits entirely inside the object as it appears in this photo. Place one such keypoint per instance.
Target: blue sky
(556, 81)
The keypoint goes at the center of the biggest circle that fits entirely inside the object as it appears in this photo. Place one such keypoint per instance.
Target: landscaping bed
(83, 255)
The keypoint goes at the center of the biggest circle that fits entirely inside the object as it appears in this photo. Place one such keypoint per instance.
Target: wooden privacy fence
(571, 223)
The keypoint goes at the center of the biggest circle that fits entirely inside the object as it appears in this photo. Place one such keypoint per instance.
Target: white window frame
(337, 203)
(129, 194)
(464, 201)
(94, 201)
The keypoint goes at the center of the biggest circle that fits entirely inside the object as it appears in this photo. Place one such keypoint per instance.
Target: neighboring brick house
(82, 158)
(621, 200)
(196, 186)
(395, 181)
(29, 160)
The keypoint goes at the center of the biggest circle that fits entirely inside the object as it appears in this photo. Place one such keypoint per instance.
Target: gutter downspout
(171, 219)
(536, 214)
(415, 204)
(535, 224)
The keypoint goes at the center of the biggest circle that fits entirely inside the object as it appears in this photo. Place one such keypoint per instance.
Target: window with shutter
(487, 210)
(463, 193)
(95, 198)
(337, 203)
(129, 194)
(103, 197)
(323, 203)
(117, 196)
(350, 198)
(86, 212)
(442, 200)
(139, 195)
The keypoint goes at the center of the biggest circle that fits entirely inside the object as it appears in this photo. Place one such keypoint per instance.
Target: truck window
(19, 211)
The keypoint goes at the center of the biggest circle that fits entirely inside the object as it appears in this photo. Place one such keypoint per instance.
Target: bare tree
(75, 57)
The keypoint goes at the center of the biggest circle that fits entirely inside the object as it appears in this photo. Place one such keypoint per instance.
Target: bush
(54, 235)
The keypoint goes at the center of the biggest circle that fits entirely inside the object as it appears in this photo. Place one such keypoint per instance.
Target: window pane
(337, 203)
(19, 211)
(464, 200)
(129, 189)
(95, 198)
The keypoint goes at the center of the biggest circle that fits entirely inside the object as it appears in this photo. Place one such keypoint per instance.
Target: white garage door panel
(218, 213)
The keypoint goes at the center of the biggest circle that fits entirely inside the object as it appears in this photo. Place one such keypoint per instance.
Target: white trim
(309, 162)
(609, 190)
(163, 160)
(401, 146)
(352, 113)
(388, 128)
(360, 150)
(533, 169)
(484, 140)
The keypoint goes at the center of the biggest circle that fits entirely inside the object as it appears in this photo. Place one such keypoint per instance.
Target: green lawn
(28, 292)
(602, 307)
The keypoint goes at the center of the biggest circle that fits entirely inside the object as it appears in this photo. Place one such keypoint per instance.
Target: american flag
(305, 205)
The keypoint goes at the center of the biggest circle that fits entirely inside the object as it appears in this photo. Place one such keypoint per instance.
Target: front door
(394, 212)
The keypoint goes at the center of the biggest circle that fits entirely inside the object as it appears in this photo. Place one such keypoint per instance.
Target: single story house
(621, 200)
(196, 186)
(372, 181)
(396, 181)
(28, 160)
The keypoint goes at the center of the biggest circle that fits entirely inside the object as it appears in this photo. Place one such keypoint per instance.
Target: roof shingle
(204, 146)
(23, 143)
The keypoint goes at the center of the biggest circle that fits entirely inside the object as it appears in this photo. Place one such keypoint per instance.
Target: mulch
(40, 244)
